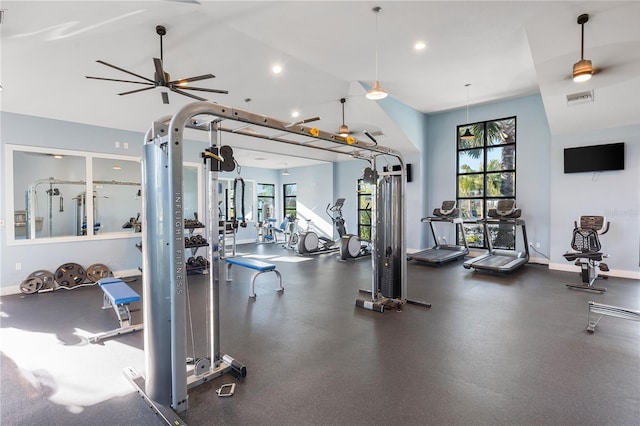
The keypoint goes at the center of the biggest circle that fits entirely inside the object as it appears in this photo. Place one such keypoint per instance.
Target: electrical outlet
(117, 144)
(537, 245)
(18, 266)
(125, 145)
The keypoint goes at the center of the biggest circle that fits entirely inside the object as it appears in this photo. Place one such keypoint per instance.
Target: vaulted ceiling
(327, 50)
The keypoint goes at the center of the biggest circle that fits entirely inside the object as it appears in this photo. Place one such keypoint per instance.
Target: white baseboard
(13, 289)
(619, 273)
(127, 273)
(539, 260)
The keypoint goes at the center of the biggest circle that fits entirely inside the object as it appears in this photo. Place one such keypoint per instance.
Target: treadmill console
(505, 209)
(448, 209)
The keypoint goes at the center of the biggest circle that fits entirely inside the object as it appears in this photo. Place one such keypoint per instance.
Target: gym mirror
(45, 189)
(117, 197)
(49, 194)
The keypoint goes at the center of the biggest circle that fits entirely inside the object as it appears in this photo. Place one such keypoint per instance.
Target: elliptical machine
(352, 246)
(309, 242)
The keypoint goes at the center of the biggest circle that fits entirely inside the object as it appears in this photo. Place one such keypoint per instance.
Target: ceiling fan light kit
(582, 70)
(376, 93)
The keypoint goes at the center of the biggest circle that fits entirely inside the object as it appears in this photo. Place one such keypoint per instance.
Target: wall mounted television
(594, 158)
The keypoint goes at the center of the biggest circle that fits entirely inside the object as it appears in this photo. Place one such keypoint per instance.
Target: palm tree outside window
(486, 173)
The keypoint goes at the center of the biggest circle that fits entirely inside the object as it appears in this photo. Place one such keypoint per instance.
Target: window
(364, 210)
(290, 190)
(266, 201)
(486, 171)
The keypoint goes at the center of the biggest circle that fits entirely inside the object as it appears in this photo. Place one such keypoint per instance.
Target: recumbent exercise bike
(587, 254)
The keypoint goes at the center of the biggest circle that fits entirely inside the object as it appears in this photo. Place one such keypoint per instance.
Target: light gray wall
(532, 161)
(315, 192)
(119, 253)
(414, 125)
(614, 194)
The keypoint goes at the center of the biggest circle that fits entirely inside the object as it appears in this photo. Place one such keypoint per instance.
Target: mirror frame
(10, 149)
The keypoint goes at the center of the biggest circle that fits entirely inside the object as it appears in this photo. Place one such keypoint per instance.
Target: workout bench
(117, 295)
(258, 266)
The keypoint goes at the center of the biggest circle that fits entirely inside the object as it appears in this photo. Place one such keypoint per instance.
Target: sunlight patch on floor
(63, 370)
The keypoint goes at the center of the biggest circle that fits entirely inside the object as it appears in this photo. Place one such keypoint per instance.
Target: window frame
(286, 197)
(261, 200)
(475, 232)
(365, 192)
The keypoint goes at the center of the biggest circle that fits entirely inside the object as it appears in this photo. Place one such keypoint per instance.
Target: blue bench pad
(251, 264)
(119, 292)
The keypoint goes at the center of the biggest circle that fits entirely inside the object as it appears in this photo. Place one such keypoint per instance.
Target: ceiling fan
(162, 78)
(344, 130)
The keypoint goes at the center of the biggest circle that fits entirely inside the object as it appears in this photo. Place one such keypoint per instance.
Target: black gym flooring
(492, 350)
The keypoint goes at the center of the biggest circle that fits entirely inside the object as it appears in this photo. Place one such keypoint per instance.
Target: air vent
(580, 98)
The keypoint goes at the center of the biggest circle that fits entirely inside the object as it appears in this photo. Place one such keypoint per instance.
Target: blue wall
(550, 200)
(532, 159)
(315, 186)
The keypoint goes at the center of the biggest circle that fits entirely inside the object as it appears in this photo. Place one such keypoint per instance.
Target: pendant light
(344, 129)
(376, 93)
(467, 135)
(582, 70)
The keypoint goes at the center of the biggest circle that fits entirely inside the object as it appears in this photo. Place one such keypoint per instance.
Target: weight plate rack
(68, 276)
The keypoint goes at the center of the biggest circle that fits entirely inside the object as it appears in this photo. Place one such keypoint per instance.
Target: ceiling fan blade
(192, 79)
(187, 94)
(123, 70)
(121, 81)
(160, 80)
(201, 89)
(165, 97)
(136, 91)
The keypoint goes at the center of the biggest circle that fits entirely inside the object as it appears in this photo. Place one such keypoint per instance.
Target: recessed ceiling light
(420, 45)
(277, 69)
(116, 167)
(260, 158)
(58, 156)
(295, 114)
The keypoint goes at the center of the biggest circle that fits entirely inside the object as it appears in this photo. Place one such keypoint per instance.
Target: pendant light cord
(377, 10)
(582, 43)
(467, 86)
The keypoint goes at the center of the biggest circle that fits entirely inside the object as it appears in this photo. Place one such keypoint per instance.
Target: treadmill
(502, 260)
(442, 253)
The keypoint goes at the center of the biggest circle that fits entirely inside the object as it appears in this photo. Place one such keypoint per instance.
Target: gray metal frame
(167, 378)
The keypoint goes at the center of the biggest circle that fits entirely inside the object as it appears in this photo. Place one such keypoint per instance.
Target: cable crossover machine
(168, 375)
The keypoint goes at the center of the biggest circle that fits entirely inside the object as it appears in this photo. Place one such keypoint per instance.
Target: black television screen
(594, 158)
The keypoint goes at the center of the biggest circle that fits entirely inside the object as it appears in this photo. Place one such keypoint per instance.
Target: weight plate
(201, 366)
(31, 285)
(97, 271)
(45, 276)
(70, 275)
